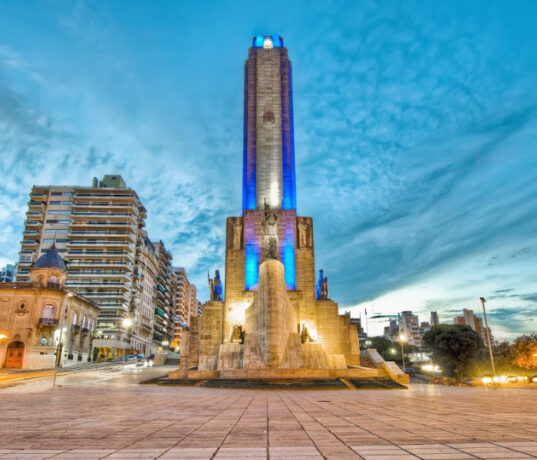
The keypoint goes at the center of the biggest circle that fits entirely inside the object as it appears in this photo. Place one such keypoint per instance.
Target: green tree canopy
(453, 346)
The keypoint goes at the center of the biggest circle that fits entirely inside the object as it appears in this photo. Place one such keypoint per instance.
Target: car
(473, 382)
(533, 379)
(410, 371)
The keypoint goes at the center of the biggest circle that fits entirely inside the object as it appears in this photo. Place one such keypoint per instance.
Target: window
(48, 240)
(68, 194)
(75, 318)
(54, 212)
(67, 203)
(66, 212)
(52, 221)
(48, 312)
(64, 221)
(55, 202)
(56, 193)
(83, 323)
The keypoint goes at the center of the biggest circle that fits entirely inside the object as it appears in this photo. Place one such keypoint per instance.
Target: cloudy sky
(415, 126)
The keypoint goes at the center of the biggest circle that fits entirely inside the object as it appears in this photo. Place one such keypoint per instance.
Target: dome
(50, 260)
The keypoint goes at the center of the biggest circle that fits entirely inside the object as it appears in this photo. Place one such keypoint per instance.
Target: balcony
(48, 321)
(75, 328)
(85, 330)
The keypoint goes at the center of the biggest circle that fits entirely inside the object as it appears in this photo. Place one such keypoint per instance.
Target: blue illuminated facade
(284, 106)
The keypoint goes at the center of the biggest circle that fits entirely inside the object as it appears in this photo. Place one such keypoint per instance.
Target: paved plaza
(107, 414)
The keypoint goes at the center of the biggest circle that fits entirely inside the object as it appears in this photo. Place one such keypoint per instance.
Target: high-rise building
(7, 274)
(473, 321)
(145, 282)
(163, 329)
(392, 331)
(186, 304)
(97, 230)
(409, 326)
(434, 319)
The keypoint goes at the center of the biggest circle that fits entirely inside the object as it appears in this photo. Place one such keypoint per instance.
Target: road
(108, 414)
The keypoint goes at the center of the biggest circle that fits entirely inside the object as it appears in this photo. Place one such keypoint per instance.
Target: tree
(524, 351)
(454, 347)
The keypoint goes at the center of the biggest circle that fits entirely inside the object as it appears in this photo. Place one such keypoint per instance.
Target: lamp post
(482, 300)
(402, 339)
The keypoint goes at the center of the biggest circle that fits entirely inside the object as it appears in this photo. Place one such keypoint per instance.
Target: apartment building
(186, 304)
(473, 321)
(164, 325)
(97, 231)
(409, 326)
(145, 283)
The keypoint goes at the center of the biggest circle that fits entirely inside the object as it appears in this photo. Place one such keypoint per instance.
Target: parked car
(473, 382)
(410, 371)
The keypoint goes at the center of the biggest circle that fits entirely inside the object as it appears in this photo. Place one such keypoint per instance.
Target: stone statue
(305, 335)
(322, 286)
(215, 286)
(237, 235)
(302, 235)
(270, 229)
(237, 334)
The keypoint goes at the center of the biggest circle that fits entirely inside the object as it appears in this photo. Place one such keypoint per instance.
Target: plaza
(165, 421)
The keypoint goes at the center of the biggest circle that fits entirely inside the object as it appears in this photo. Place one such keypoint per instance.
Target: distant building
(424, 327)
(7, 274)
(434, 319)
(409, 326)
(164, 325)
(361, 333)
(186, 304)
(469, 319)
(392, 331)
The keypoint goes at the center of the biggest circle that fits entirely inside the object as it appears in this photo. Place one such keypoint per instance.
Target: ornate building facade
(42, 323)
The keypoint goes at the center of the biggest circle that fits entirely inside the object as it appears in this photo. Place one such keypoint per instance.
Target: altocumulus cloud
(415, 134)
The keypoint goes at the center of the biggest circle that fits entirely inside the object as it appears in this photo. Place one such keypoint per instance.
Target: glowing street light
(482, 299)
(127, 322)
(3, 336)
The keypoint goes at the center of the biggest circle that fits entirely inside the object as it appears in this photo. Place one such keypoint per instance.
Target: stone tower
(271, 315)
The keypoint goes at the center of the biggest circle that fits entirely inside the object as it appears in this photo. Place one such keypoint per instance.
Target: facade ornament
(270, 230)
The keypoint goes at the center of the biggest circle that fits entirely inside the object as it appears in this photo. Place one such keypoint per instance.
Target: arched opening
(15, 354)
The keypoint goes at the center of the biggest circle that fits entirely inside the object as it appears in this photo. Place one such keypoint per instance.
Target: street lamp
(482, 299)
(402, 339)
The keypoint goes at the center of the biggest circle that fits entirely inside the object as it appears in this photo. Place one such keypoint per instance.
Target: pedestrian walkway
(109, 415)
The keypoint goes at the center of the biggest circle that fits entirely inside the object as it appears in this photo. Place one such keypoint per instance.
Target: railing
(48, 321)
(75, 327)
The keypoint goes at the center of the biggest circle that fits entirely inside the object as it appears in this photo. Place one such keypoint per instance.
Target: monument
(273, 319)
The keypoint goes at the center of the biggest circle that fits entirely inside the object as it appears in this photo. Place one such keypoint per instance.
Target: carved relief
(237, 235)
(305, 238)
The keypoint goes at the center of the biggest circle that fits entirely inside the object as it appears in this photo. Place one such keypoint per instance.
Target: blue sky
(415, 132)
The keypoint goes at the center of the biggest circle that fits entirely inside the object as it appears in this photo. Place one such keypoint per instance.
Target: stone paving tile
(120, 419)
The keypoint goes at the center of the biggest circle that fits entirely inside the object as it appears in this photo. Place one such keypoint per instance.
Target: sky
(415, 136)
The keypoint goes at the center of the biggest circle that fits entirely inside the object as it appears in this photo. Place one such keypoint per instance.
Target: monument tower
(271, 315)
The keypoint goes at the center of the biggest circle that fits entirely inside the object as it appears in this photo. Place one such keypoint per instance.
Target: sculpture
(305, 335)
(270, 229)
(215, 286)
(237, 235)
(237, 334)
(322, 286)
